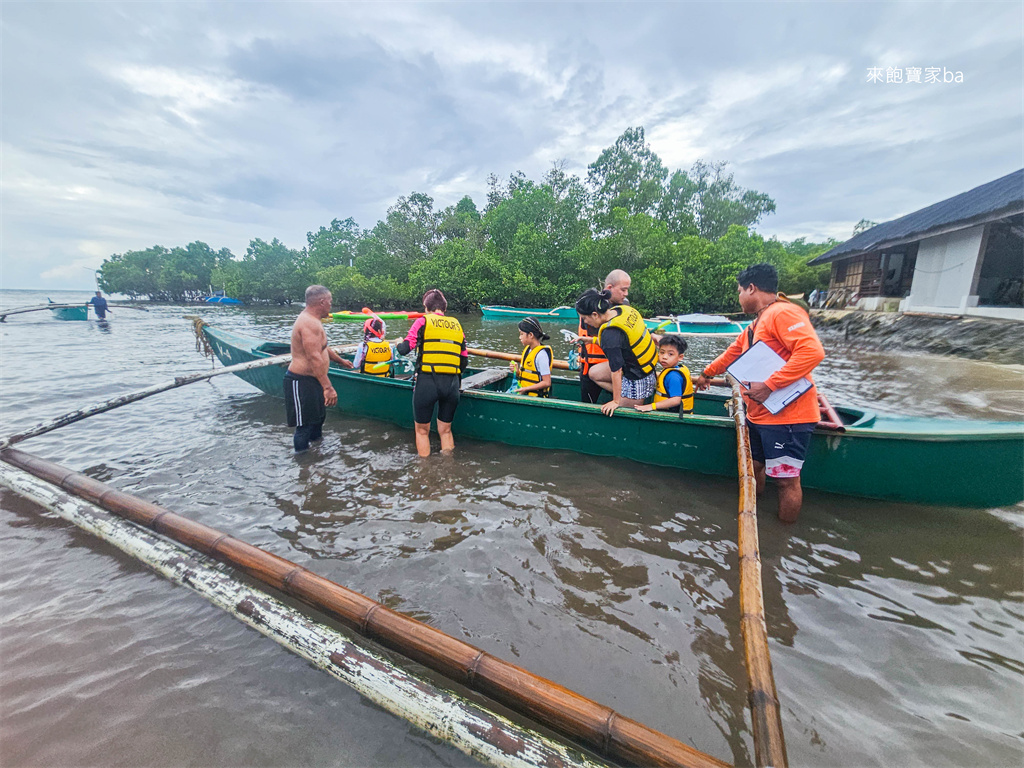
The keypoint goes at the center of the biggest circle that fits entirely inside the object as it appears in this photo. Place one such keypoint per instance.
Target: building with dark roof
(963, 256)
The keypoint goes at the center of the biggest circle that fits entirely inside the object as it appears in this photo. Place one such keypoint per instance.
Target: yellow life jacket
(641, 344)
(661, 393)
(442, 345)
(528, 370)
(377, 361)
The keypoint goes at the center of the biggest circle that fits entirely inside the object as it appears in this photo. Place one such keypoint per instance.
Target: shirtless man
(307, 389)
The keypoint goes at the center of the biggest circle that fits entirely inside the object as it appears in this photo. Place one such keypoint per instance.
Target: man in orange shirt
(778, 442)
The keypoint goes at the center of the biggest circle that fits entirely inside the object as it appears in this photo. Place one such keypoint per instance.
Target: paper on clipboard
(757, 364)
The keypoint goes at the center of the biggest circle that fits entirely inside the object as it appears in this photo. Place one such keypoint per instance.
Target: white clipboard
(757, 364)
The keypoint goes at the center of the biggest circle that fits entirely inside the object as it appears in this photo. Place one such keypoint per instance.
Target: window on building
(1001, 279)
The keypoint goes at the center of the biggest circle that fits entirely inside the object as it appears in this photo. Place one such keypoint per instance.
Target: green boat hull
(362, 317)
(927, 461)
(497, 312)
(71, 313)
(704, 329)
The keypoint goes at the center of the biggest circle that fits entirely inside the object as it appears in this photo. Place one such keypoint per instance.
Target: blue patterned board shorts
(641, 389)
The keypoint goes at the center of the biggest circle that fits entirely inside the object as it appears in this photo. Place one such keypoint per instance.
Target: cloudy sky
(134, 124)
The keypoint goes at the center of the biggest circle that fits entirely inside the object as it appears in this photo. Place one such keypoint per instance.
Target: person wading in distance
(307, 389)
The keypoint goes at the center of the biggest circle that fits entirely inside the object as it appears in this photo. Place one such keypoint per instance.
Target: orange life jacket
(592, 354)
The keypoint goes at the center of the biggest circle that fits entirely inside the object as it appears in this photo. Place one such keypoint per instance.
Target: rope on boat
(443, 714)
(202, 343)
(769, 741)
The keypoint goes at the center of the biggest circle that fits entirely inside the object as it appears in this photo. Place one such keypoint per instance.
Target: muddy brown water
(895, 630)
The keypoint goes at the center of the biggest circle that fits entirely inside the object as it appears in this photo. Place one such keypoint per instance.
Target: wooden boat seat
(482, 379)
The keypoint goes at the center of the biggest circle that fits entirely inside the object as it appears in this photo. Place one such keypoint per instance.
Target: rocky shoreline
(994, 341)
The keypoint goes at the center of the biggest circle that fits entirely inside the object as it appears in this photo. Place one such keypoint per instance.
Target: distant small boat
(696, 325)
(501, 312)
(347, 316)
(221, 299)
(70, 311)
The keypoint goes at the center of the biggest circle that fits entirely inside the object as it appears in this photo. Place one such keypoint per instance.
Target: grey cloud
(336, 109)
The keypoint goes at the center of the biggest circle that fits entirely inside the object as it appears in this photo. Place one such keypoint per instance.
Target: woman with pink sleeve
(441, 357)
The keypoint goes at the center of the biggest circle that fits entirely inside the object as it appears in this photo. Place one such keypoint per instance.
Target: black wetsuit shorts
(304, 400)
(439, 388)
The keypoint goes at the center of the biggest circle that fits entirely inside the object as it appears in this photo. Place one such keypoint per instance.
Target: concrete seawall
(995, 341)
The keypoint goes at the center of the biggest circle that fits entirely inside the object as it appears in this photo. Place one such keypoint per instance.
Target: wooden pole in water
(546, 702)
(769, 742)
(444, 714)
(509, 356)
(131, 397)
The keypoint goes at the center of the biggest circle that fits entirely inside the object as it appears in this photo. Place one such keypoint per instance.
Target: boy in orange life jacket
(674, 388)
(778, 442)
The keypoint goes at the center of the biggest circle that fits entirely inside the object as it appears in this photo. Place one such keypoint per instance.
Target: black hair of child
(671, 340)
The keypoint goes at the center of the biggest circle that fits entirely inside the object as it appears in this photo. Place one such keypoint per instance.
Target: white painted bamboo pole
(443, 714)
(131, 397)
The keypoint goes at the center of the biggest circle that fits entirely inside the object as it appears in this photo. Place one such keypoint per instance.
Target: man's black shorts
(782, 448)
(304, 400)
(440, 388)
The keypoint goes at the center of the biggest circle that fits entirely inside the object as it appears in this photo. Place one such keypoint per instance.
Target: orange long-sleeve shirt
(787, 329)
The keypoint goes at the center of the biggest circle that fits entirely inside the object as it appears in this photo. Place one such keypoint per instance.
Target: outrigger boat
(944, 462)
(696, 325)
(501, 312)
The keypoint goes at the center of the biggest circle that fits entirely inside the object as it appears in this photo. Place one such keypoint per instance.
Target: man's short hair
(764, 276)
(316, 292)
(615, 277)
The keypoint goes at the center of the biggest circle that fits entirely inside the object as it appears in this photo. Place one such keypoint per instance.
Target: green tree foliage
(331, 246)
(706, 201)
(683, 238)
(626, 175)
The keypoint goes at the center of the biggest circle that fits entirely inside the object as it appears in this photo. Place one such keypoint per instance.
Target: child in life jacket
(675, 387)
(534, 368)
(374, 354)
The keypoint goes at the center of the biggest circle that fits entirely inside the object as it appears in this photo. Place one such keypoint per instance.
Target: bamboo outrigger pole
(769, 742)
(509, 356)
(444, 714)
(131, 397)
(543, 700)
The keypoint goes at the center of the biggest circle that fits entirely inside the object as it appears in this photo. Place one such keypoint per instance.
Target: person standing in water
(307, 389)
(100, 306)
(441, 359)
(778, 441)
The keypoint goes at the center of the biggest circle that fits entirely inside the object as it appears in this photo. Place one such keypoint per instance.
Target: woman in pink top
(441, 357)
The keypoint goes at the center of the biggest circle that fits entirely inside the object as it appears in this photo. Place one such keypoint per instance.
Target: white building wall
(945, 270)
